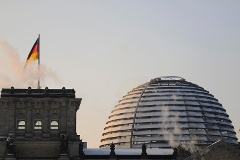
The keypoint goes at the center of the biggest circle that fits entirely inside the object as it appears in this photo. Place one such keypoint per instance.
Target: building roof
(38, 93)
(167, 111)
(128, 151)
(219, 150)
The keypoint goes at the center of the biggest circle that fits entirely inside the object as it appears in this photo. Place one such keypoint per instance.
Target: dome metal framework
(164, 112)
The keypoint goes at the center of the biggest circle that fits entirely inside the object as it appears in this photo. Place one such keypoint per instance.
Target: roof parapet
(38, 93)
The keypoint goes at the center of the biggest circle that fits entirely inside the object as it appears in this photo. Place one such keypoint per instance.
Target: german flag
(34, 53)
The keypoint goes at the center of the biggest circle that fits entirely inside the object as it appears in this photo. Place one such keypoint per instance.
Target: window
(20, 124)
(37, 124)
(54, 124)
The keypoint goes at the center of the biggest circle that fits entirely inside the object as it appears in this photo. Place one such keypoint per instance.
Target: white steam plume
(13, 74)
(175, 135)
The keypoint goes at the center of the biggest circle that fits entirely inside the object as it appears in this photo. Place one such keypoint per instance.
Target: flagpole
(38, 87)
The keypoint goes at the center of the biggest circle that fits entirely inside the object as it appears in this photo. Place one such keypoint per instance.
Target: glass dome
(165, 112)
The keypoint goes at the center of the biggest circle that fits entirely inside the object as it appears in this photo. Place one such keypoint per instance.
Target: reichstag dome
(167, 111)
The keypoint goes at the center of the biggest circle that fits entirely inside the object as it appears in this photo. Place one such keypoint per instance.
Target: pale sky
(105, 48)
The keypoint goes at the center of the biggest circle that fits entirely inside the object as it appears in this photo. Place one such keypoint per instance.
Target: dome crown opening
(170, 78)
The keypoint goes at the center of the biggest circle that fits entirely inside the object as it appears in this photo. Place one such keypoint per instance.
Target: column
(11, 118)
(46, 121)
(29, 125)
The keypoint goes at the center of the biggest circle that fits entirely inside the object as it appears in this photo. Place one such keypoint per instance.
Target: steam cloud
(13, 74)
(176, 133)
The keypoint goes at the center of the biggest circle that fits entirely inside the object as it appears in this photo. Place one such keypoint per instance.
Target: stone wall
(37, 136)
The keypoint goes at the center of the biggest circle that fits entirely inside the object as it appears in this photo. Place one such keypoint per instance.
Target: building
(167, 112)
(216, 151)
(38, 123)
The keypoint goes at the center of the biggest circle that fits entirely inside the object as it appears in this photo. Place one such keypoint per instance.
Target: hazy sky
(103, 49)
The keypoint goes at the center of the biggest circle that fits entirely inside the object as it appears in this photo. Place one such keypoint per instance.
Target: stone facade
(217, 151)
(36, 118)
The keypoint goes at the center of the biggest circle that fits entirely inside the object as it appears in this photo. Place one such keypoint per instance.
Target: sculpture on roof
(64, 144)
(10, 145)
(112, 153)
(144, 151)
